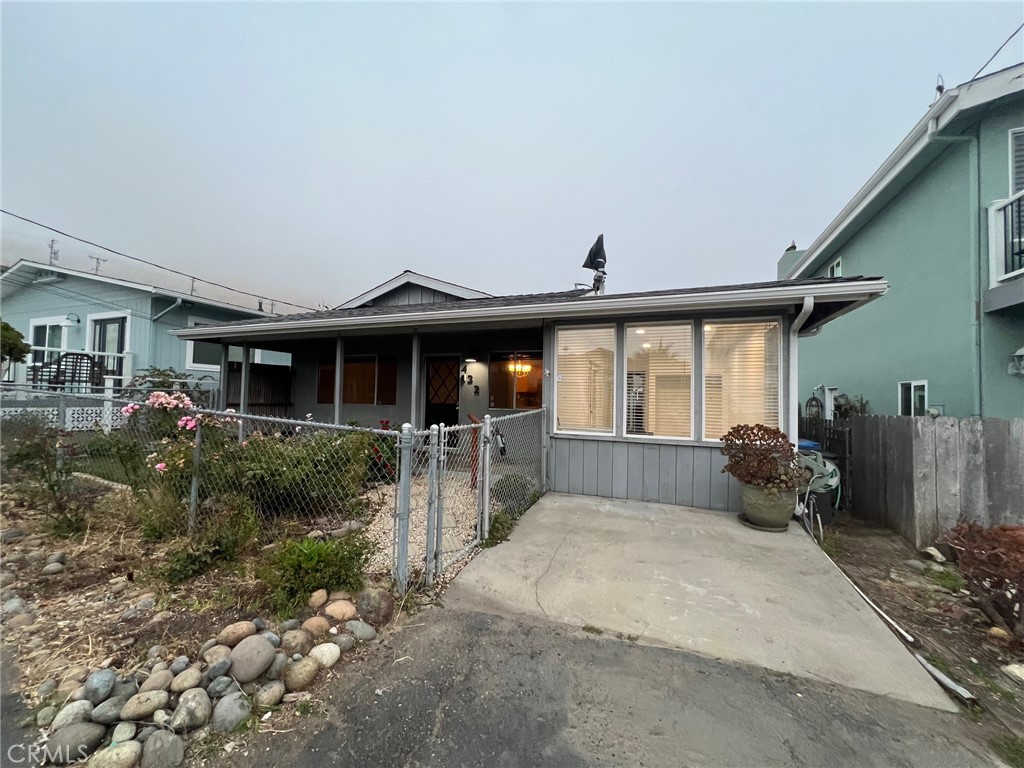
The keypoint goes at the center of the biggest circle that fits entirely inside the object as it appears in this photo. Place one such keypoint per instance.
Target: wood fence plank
(972, 472)
(1015, 473)
(947, 472)
(995, 437)
(923, 491)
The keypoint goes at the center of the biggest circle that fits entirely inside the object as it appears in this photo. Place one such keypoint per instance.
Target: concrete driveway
(696, 580)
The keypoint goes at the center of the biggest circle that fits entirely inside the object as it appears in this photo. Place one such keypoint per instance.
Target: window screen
(659, 370)
(585, 379)
(741, 375)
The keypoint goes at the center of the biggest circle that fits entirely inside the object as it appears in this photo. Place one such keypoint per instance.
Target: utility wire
(998, 50)
(150, 263)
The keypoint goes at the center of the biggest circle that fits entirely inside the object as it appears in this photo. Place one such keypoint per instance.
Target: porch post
(243, 395)
(222, 385)
(414, 382)
(339, 377)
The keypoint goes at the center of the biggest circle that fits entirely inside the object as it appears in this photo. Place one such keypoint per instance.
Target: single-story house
(638, 387)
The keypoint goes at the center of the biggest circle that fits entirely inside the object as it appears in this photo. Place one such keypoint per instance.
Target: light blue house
(943, 220)
(95, 331)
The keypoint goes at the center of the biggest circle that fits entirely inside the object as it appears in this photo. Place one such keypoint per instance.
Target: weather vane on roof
(596, 259)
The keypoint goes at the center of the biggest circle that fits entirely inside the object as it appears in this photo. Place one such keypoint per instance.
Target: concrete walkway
(698, 580)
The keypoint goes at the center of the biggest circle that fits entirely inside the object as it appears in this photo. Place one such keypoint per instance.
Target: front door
(442, 406)
(108, 336)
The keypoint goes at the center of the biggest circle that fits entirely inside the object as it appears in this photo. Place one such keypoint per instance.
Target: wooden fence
(921, 475)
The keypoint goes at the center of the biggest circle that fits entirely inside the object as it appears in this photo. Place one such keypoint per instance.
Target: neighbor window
(835, 269)
(1016, 161)
(913, 398)
(659, 375)
(514, 380)
(367, 380)
(741, 375)
(585, 379)
(204, 355)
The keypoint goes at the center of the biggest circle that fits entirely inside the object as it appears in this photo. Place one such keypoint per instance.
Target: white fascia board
(781, 296)
(413, 277)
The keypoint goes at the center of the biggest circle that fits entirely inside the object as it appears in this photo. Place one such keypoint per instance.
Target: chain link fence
(424, 498)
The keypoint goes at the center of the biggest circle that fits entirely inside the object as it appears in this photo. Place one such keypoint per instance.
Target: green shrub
(501, 528)
(43, 461)
(299, 567)
(515, 493)
(228, 528)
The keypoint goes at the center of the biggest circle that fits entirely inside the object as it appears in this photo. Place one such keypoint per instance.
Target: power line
(150, 263)
(998, 50)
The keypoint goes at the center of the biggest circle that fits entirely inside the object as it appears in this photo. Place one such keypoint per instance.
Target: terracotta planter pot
(765, 510)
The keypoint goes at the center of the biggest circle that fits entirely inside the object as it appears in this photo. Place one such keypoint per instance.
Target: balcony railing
(1006, 238)
(72, 370)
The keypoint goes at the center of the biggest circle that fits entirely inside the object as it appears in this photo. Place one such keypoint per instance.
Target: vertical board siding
(921, 475)
(685, 475)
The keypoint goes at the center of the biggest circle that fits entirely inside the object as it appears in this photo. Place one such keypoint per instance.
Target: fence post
(442, 469)
(108, 405)
(193, 497)
(431, 506)
(62, 411)
(485, 480)
(404, 499)
(543, 434)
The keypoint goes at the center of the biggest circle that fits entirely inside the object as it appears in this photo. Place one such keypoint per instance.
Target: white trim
(997, 241)
(899, 395)
(835, 269)
(48, 321)
(777, 296)
(613, 432)
(190, 346)
(782, 410)
(692, 324)
(1010, 134)
(408, 277)
(90, 332)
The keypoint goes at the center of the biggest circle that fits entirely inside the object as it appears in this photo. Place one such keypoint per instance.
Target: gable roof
(414, 278)
(920, 147)
(833, 296)
(24, 266)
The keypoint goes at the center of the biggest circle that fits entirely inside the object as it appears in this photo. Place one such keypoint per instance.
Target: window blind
(741, 375)
(659, 367)
(585, 383)
(1017, 160)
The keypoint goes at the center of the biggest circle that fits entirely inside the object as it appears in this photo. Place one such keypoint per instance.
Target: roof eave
(407, 277)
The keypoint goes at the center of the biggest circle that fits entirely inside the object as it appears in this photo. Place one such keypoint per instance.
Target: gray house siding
(410, 294)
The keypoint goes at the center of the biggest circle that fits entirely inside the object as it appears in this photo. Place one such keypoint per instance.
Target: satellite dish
(596, 258)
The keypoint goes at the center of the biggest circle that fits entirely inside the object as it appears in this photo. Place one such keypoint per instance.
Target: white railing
(1006, 239)
(72, 369)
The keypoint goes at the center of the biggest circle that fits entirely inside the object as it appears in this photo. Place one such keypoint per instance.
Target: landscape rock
(361, 631)
(297, 641)
(317, 626)
(179, 665)
(162, 616)
(376, 606)
(219, 668)
(75, 741)
(341, 610)
(146, 604)
(52, 569)
(109, 712)
(123, 732)
(230, 712)
(287, 626)
(933, 554)
(77, 673)
(45, 716)
(260, 624)
(233, 634)
(299, 675)
(145, 733)
(12, 534)
(207, 646)
(189, 678)
(163, 750)
(159, 667)
(125, 688)
(276, 667)
(7, 578)
(156, 652)
(193, 710)
(250, 658)
(317, 599)
(216, 653)
(221, 686)
(270, 694)
(21, 620)
(46, 688)
(998, 633)
(162, 718)
(271, 638)
(344, 642)
(142, 705)
(158, 681)
(99, 685)
(123, 755)
(12, 606)
(75, 712)
(56, 557)
(326, 654)
(1015, 672)
(916, 565)
(78, 694)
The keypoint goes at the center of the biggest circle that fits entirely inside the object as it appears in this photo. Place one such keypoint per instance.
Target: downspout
(175, 305)
(793, 420)
(975, 237)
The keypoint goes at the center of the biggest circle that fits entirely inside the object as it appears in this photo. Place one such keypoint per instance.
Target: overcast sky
(309, 152)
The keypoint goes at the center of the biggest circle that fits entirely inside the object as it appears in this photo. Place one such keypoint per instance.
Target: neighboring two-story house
(942, 220)
(90, 331)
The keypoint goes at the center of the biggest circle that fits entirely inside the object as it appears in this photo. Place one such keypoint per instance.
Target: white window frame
(194, 321)
(1009, 137)
(625, 383)
(90, 333)
(52, 320)
(899, 395)
(835, 269)
(616, 355)
(703, 365)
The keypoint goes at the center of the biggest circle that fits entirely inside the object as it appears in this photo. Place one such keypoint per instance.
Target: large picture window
(367, 380)
(515, 380)
(741, 375)
(659, 375)
(585, 376)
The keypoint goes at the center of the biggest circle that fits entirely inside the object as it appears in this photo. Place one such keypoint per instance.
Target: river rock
(221, 686)
(207, 646)
(45, 716)
(230, 712)
(74, 742)
(297, 641)
(179, 665)
(193, 710)
(163, 750)
(142, 705)
(317, 626)
(99, 685)
(156, 652)
(276, 667)
(12, 606)
(46, 688)
(299, 675)
(376, 606)
(317, 599)
(344, 642)
(288, 626)
(271, 638)
(52, 569)
(125, 689)
(75, 712)
(123, 755)
(77, 673)
(326, 654)
(250, 658)
(233, 634)
(270, 694)
(123, 732)
(162, 718)
(218, 669)
(216, 653)
(158, 681)
(189, 678)
(109, 712)
(341, 610)
(145, 733)
(361, 631)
